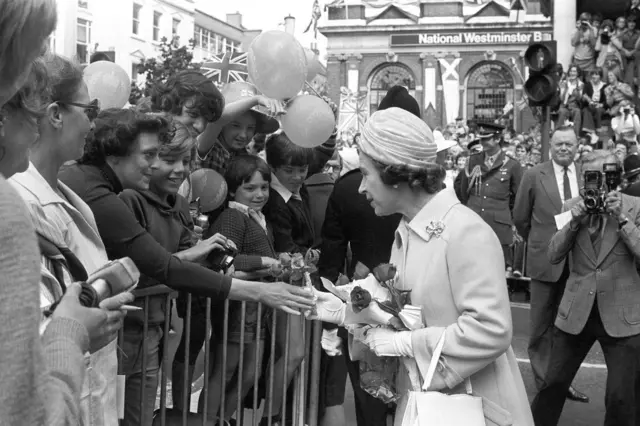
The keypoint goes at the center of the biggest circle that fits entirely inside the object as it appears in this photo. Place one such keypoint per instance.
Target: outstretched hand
(290, 299)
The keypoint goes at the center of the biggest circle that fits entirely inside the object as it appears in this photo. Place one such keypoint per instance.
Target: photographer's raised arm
(563, 240)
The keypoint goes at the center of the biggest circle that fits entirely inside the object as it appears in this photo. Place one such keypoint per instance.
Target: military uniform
(491, 192)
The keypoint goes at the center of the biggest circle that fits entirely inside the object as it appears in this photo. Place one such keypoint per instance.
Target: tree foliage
(172, 58)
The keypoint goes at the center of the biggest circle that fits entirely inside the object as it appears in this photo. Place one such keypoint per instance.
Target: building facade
(458, 58)
(131, 30)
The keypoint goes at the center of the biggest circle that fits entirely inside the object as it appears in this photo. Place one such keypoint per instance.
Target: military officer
(489, 183)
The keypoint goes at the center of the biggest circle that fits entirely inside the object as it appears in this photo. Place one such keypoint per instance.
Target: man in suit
(632, 175)
(489, 183)
(601, 302)
(539, 199)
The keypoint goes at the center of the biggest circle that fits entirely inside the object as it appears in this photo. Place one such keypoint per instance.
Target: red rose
(297, 261)
(360, 299)
(361, 271)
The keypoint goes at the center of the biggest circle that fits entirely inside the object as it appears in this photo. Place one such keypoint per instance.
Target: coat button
(482, 209)
(598, 270)
(440, 367)
(591, 293)
(485, 197)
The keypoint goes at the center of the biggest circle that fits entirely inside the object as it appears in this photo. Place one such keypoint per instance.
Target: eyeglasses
(92, 109)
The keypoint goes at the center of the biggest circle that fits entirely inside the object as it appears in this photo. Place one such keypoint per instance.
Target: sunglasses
(92, 109)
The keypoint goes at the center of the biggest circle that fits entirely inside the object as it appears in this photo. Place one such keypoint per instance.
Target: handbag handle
(434, 363)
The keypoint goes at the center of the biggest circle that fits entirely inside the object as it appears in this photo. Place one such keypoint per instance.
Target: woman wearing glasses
(65, 225)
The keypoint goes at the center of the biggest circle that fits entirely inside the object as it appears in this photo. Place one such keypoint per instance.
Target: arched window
(490, 87)
(384, 78)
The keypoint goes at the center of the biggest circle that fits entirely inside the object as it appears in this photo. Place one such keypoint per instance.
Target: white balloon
(109, 83)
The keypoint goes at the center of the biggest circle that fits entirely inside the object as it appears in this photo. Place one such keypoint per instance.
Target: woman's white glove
(329, 308)
(331, 343)
(384, 341)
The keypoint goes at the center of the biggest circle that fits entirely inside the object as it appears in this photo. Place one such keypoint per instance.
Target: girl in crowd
(455, 275)
(164, 214)
(248, 178)
(64, 223)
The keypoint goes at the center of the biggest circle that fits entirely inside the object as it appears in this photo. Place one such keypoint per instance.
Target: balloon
(309, 121)
(210, 187)
(109, 83)
(277, 65)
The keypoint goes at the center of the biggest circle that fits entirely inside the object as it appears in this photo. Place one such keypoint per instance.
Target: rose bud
(297, 261)
(384, 272)
(360, 299)
(312, 257)
(342, 280)
(276, 270)
(361, 271)
(285, 259)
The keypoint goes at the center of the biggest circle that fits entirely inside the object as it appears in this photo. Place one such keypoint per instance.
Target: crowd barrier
(299, 410)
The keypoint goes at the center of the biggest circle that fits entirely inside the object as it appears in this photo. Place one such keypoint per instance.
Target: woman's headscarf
(397, 137)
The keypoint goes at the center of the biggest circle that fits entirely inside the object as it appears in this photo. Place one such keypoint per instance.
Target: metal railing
(299, 410)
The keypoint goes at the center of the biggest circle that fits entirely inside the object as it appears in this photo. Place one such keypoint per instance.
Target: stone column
(564, 22)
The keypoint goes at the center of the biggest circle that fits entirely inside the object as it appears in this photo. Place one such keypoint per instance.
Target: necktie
(566, 185)
(488, 162)
(596, 224)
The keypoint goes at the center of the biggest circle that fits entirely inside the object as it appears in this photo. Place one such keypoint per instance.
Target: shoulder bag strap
(437, 353)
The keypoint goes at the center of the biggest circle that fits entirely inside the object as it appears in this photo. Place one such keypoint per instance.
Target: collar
(286, 195)
(33, 182)
(169, 206)
(109, 176)
(557, 168)
(244, 209)
(434, 211)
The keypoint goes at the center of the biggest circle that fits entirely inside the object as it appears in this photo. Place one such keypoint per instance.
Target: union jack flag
(227, 67)
(354, 110)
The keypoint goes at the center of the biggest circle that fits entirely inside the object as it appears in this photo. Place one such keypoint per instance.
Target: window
(134, 71)
(174, 26)
(83, 40)
(387, 76)
(136, 18)
(83, 4)
(156, 25)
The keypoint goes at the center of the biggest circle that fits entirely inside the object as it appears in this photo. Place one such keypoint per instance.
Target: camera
(592, 194)
(221, 260)
(626, 110)
(598, 184)
(113, 278)
(605, 37)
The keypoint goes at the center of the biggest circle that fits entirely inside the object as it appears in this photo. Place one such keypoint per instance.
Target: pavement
(591, 380)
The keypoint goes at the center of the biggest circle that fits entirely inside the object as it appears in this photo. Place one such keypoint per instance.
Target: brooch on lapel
(435, 229)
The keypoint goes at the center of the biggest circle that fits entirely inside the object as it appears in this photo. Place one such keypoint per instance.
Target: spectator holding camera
(601, 299)
(583, 41)
(609, 46)
(616, 92)
(571, 99)
(593, 99)
(626, 125)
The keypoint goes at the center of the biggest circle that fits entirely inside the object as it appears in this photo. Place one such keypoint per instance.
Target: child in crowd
(165, 215)
(289, 213)
(248, 178)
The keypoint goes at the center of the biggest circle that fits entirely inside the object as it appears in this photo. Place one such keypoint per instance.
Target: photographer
(583, 41)
(626, 124)
(602, 295)
(609, 46)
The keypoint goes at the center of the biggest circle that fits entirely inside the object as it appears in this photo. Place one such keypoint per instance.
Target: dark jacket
(492, 193)
(319, 187)
(588, 91)
(292, 223)
(350, 219)
(170, 225)
(123, 235)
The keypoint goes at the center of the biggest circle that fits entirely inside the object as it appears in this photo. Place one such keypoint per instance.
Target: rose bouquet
(374, 299)
(295, 269)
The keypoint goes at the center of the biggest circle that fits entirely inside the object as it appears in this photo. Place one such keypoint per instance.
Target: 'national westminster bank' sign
(468, 38)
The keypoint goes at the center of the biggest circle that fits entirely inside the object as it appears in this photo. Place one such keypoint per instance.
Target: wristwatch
(622, 222)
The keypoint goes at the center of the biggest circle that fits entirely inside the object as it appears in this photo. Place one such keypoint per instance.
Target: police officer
(489, 183)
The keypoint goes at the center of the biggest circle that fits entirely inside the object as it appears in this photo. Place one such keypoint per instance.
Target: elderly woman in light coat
(451, 261)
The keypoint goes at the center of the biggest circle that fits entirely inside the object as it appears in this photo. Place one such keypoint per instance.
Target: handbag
(432, 408)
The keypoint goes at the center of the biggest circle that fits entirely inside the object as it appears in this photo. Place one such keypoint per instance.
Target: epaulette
(510, 155)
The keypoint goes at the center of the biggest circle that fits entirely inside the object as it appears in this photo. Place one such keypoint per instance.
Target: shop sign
(469, 38)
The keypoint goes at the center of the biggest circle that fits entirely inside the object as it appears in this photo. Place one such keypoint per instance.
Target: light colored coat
(611, 275)
(458, 280)
(67, 221)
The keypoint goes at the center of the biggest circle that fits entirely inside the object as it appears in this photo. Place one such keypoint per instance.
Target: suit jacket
(610, 278)
(492, 194)
(457, 279)
(537, 202)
